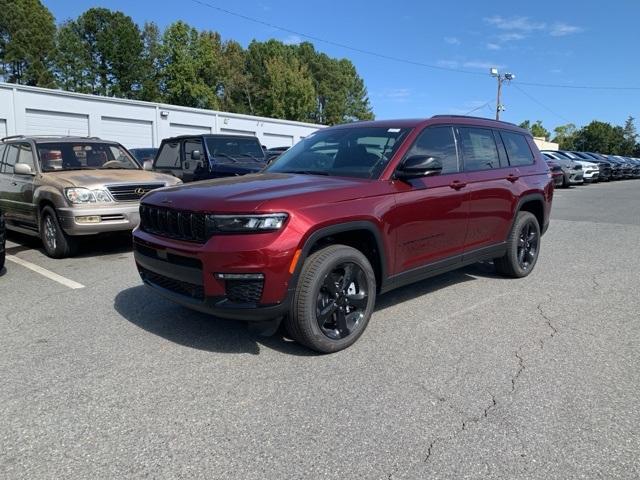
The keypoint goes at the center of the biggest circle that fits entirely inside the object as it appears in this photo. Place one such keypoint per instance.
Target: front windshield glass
(361, 152)
(235, 149)
(55, 157)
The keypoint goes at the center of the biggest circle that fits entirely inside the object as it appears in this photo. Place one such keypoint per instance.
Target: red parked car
(556, 172)
(349, 212)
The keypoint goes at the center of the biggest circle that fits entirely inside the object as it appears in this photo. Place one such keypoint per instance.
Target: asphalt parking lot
(467, 375)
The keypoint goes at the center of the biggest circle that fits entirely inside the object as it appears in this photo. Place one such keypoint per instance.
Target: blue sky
(567, 43)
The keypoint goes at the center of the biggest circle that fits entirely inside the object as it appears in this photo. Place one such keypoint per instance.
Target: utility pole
(501, 78)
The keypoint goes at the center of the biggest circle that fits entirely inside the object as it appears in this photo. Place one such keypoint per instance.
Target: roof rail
(475, 118)
(10, 137)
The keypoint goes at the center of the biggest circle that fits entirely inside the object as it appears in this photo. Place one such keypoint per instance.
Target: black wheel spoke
(341, 322)
(348, 276)
(330, 285)
(521, 254)
(326, 313)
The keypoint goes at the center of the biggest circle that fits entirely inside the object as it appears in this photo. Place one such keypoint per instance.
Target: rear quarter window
(169, 156)
(518, 149)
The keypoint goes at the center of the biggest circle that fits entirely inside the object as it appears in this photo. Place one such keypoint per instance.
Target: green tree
(105, 48)
(601, 137)
(565, 136)
(27, 32)
(188, 73)
(536, 129)
(234, 89)
(150, 63)
(630, 143)
(289, 91)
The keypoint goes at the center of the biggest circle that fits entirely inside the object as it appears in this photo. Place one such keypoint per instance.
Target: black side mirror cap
(419, 166)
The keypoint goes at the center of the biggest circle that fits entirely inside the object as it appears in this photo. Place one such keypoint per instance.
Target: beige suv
(60, 188)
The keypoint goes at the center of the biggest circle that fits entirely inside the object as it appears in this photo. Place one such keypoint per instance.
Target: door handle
(512, 178)
(15, 184)
(457, 184)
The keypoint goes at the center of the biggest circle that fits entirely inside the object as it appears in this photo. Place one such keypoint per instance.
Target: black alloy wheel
(528, 241)
(342, 301)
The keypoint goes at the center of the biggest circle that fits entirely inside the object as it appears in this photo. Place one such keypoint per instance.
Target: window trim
(464, 169)
(454, 133)
(526, 140)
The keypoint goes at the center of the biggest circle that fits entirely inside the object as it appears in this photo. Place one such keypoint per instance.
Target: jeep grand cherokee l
(61, 188)
(349, 212)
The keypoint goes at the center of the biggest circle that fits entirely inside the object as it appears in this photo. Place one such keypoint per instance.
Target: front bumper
(186, 273)
(113, 218)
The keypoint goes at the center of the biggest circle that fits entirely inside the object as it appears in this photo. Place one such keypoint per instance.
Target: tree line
(599, 137)
(104, 52)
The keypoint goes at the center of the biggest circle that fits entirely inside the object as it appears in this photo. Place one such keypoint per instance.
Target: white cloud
(481, 64)
(292, 40)
(394, 94)
(452, 40)
(519, 24)
(509, 37)
(493, 46)
(448, 63)
(561, 29)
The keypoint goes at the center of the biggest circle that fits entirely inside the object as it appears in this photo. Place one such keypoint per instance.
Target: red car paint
(440, 221)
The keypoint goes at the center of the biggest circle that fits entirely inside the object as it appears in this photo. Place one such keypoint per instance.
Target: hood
(99, 178)
(254, 192)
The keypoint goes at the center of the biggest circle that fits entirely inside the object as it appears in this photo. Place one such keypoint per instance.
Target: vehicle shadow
(145, 309)
(91, 246)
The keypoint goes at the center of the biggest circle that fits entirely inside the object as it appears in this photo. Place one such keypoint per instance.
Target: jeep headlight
(245, 223)
(84, 195)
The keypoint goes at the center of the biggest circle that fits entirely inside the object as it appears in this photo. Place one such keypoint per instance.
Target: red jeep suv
(349, 212)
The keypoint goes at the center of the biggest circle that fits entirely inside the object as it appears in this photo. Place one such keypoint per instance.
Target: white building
(41, 111)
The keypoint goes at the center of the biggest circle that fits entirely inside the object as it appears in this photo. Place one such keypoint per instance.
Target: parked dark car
(200, 157)
(556, 172)
(275, 152)
(143, 154)
(348, 212)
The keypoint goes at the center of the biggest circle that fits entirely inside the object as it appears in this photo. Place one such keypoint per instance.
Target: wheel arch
(532, 203)
(362, 235)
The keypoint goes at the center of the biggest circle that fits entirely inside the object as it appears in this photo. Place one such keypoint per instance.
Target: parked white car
(590, 171)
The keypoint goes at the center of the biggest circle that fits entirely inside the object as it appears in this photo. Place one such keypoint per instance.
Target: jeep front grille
(166, 222)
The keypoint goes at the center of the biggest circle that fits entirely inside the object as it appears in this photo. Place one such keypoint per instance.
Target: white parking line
(46, 273)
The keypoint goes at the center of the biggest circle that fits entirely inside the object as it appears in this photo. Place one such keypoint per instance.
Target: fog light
(239, 276)
(88, 219)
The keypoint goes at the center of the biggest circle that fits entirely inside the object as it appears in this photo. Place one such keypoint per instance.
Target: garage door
(3, 128)
(182, 129)
(41, 122)
(130, 133)
(276, 140)
(231, 131)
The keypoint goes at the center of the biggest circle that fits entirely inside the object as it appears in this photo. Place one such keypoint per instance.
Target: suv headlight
(245, 223)
(84, 195)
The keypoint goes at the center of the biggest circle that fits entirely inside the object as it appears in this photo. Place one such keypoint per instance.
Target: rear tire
(334, 299)
(57, 244)
(523, 247)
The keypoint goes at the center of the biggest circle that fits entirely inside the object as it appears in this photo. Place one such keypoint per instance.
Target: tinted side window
(517, 149)
(10, 158)
(169, 156)
(26, 154)
(437, 142)
(191, 146)
(479, 150)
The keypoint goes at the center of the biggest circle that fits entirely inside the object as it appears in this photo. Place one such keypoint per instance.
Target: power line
(480, 107)
(533, 99)
(398, 59)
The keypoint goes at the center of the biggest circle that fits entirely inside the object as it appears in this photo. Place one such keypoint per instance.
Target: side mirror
(148, 165)
(22, 169)
(196, 155)
(419, 166)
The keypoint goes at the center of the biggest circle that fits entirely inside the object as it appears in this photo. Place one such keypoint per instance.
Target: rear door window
(518, 149)
(169, 156)
(479, 151)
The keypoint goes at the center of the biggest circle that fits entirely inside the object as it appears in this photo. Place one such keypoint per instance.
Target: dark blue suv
(200, 157)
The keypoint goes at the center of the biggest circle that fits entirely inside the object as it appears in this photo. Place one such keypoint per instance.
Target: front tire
(334, 299)
(523, 247)
(57, 244)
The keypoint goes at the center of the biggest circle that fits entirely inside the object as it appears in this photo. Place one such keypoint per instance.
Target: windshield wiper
(255, 159)
(225, 156)
(306, 172)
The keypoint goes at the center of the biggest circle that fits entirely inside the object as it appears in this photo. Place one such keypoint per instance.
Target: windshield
(235, 149)
(361, 152)
(55, 157)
